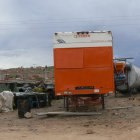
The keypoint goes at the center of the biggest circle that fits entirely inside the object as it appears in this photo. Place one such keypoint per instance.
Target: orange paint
(120, 67)
(83, 68)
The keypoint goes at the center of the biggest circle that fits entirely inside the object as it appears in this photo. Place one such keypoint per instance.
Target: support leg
(103, 103)
(115, 93)
(67, 103)
(64, 101)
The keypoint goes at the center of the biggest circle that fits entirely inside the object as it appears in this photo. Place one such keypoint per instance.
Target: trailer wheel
(103, 102)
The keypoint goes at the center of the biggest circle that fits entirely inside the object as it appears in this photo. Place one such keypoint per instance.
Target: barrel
(23, 106)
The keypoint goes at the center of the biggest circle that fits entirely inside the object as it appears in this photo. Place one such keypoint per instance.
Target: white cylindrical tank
(131, 80)
(134, 77)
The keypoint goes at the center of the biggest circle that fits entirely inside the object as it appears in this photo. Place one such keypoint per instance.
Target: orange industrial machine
(83, 64)
(126, 76)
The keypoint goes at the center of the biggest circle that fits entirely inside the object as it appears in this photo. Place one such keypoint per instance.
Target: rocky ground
(112, 124)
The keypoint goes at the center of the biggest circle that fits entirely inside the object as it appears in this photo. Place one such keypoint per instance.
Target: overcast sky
(27, 27)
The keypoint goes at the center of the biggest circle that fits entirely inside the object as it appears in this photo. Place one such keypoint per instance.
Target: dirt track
(111, 125)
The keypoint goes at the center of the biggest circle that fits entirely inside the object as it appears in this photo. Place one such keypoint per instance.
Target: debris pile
(6, 101)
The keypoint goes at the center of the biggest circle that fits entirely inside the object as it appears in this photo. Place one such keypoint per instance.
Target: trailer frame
(83, 100)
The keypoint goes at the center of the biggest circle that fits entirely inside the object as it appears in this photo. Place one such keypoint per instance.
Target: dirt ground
(112, 124)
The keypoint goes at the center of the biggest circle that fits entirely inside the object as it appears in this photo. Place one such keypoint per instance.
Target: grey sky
(27, 27)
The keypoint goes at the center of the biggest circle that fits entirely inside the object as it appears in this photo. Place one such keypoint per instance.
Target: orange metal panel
(98, 57)
(120, 67)
(84, 67)
(68, 58)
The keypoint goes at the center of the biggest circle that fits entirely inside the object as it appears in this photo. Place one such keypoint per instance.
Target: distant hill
(32, 74)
